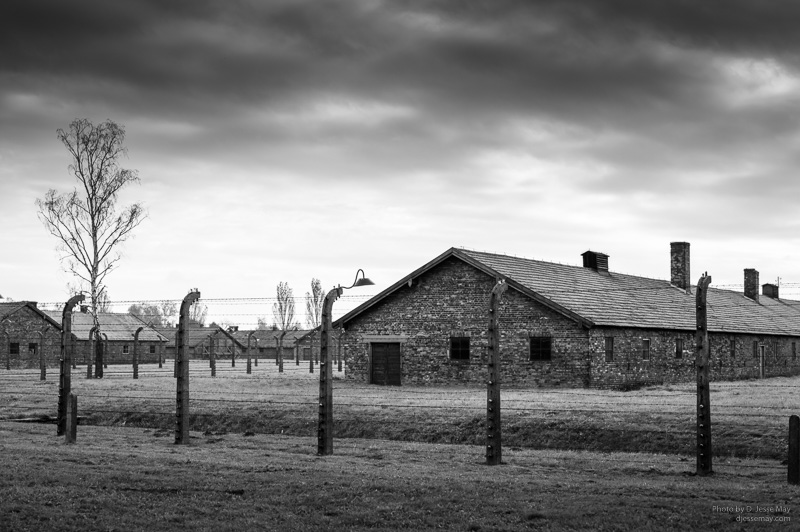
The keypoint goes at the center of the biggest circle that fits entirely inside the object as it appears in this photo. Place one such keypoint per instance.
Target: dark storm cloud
(462, 75)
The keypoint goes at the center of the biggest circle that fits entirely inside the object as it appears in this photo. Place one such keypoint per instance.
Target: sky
(277, 141)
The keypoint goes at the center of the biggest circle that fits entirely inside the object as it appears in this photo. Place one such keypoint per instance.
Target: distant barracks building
(565, 325)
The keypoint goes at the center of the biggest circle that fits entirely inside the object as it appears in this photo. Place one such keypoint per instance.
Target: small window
(645, 349)
(678, 347)
(733, 347)
(13, 348)
(755, 349)
(125, 349)
(459, 347)
(152, 349)
(794, 351)
(541, 348)
(33, 348)
(609, 348)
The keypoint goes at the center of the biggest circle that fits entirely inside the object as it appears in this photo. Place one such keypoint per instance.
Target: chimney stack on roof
(679, 266)
(595, 261)
(770, 290)
(751, 284)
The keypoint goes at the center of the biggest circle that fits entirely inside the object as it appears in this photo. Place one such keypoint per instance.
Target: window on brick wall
(678, 347)
(609, 348)
(13, 348)
(459, 347)
(794, 351)
(755, 348)
(541, 348)
(733, 347)
(645, 349)
(125, 349)
(33, 348)
(152, 349)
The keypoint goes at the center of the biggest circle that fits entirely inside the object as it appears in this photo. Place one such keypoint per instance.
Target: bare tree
(103, 303)
(197, 314)
(314, 301)
(169, 310)
(148, 313)
(283, 308)
(85, 221)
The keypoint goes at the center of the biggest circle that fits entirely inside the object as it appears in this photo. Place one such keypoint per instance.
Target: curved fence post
(182, 371)
(704, 450)
(65, 363)
(494, 448)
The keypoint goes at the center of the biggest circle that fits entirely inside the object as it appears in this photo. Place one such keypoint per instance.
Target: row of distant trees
(165, 313)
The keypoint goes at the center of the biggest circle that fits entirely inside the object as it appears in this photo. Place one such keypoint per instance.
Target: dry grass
(117, 478)
(750, 417)
(252, 464)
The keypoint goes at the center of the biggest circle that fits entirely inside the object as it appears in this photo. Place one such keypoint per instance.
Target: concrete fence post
(794, 450)
(182, 371)
(136, 352)
(704, 449)
(65, 378)
(71, 431)
(494, 446)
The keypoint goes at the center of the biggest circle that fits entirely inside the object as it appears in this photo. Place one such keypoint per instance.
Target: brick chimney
(679, 266)
(595, 261)
(751, 284)
(770, 290)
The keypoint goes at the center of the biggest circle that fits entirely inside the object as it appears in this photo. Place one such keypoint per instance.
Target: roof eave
(455, 252)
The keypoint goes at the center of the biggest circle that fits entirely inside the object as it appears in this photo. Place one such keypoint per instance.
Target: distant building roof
(116, 326)
(198, 335)
(269, 337)
(7, 308)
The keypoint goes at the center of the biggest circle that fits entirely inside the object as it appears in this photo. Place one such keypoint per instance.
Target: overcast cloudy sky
(284, 140)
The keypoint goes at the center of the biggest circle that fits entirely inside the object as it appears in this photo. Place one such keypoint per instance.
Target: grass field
(122, 478)
(404, 457)
(750, 418)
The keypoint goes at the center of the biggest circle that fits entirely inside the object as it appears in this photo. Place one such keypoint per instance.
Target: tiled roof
(629, 301)
(116, 326)
(10, 307)
(619, 300)
(198, 335)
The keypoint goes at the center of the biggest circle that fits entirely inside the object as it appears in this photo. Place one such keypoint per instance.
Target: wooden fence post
(136, 352)
(494, 447)
(704, 449)
(65, 378)
(182, 371)
(71, 431)
(212, 355)
(794, 450)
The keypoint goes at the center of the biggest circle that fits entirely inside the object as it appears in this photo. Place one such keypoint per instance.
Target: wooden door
(386, 366)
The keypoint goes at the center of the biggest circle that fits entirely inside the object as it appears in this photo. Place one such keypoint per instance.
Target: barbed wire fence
(750, 416)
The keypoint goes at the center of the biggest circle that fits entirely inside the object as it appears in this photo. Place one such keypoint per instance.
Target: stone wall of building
(452, 301)
(24, 336)
(731, 357)
(121, 352)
